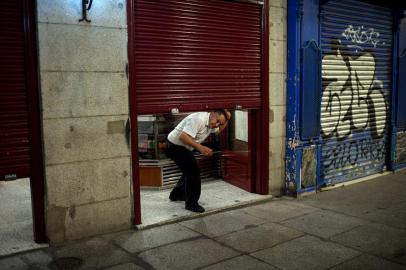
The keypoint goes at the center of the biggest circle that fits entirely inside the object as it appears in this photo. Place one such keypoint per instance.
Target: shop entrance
(189, 56)
(228, 177)
(22, 219)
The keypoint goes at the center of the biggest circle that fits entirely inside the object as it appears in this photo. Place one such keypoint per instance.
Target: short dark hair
(223, 112)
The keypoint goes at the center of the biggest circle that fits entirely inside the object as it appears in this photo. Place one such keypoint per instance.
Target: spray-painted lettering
(361, 35)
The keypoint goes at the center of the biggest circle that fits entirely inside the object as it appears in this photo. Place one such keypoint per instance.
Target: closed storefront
(14, 132)
(345, 95)
(356, 43)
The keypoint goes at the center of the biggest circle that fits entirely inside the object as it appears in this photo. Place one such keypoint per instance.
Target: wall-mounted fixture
(86, 5)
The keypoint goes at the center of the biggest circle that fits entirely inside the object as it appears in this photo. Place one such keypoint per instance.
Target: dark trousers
(189, 185)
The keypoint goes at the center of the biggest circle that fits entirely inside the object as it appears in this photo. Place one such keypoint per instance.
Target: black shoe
(174, 198)
(195, 208)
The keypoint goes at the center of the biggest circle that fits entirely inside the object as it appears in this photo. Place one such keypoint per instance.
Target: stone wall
(84, 108)
(277, 94)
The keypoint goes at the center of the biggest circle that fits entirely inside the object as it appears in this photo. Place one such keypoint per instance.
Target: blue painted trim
(293, 83)
(397, 53)
(310, 94)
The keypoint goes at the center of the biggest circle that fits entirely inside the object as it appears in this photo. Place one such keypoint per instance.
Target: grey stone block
(95, 253)
(222, 223)
(111, 13)
(81, 48)
(14, 263)
(98, 218)
(78, 94)
(277, 23)
(127, 266)
(377, 239)
(276, 211)
(323, 223)
(277, 56)
(278, 3)
(187, 255)
(241, 263)
(38, 259)
(277, 89)
(257, 238)
(146, 239)
(82, 139)
(306, 252)
(369, 262)
(88, 182)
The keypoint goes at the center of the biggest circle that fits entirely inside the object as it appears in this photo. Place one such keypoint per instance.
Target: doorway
(200, 56)
(21, 159)
(228, 177)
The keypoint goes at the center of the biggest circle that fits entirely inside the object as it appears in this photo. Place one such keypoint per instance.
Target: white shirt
(196, 125)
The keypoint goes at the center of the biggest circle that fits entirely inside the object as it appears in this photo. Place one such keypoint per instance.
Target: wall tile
(88, 182)
(111, 13)
(81, 48)
(277, 23)
(82, 139)
(93, 219)
(76, 94)
(277, 56)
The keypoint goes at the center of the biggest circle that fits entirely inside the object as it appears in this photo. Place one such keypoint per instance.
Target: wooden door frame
(37, 178)
(262, 176)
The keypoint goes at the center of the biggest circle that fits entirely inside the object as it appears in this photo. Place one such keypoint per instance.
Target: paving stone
(323, 223)
(306, 252)
(394, 216)
(369, 262)
(13, 263)
(222, 223)
(94, 253)
(241, 263)
(127, 266)
(257, 238)
(187, 255)
(377, 239)
(276, 211)
(146, 239)
(38, 259)
(17, 237)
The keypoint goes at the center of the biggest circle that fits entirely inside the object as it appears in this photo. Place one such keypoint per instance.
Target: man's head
(217, 118)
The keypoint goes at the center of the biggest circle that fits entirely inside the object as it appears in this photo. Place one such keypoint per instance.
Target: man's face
(216, 120)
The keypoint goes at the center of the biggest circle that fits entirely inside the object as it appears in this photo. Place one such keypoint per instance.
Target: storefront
(199, 56)
(344, 91)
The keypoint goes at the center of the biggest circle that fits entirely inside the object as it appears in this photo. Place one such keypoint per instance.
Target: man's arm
(187, 139)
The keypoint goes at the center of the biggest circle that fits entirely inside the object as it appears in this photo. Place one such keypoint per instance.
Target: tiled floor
(216, 195)
(16, 229)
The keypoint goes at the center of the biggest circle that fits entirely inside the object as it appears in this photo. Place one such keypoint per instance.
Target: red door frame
(37, 182)
(262, 170)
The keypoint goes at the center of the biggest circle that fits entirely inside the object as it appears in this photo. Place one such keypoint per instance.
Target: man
(187, 136)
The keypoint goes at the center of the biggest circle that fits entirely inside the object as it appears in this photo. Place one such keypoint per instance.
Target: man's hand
(205, 150)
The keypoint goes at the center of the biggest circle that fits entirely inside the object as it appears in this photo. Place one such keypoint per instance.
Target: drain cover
(66, 263)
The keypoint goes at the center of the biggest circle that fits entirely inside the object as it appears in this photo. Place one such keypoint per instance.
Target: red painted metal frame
(133, 114)
(34, 117)
(262, 139)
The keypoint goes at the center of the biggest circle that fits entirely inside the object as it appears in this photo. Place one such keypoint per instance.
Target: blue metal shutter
(356, 40)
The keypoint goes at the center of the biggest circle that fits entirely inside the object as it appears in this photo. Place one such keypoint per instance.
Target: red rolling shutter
(14, 132)
(197, 54)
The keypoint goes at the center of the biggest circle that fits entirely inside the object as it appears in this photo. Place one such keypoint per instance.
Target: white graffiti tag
(361, 35)
(353, 99)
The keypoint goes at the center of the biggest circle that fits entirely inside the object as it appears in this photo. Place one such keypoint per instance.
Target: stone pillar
(84, 92)
(277, 94)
